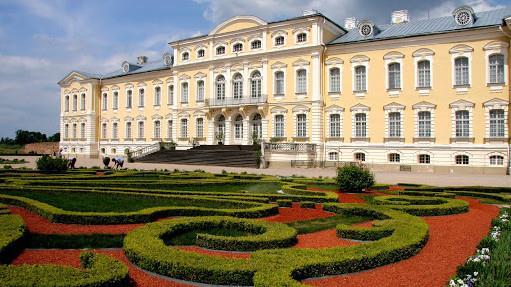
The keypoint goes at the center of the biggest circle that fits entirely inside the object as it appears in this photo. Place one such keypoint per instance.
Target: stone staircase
(218, 155)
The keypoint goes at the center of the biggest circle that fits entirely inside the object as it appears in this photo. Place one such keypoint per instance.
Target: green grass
(319, 224)
(107, 202)
(329, 187)
(9, 149)
(263, 187)
(188, 238)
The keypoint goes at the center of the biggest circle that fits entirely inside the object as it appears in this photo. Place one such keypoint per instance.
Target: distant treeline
(26, 137)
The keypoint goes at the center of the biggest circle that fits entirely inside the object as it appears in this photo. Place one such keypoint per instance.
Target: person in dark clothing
(72, 162)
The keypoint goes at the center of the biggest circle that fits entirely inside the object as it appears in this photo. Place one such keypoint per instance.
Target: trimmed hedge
(422, 205)
(99, 270)
(284, 203)
(307, 204)
(12, 236)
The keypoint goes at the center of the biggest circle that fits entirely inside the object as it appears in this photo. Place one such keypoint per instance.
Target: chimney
(400, 16)
(309, 12)
(141, 60)
(350, 23)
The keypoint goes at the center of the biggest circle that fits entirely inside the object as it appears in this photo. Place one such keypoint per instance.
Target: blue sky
(42, 40)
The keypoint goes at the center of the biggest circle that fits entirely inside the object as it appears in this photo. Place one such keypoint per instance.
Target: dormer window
(279, 41)
(366, 30)
(201, 53)
(220, 50)
(301, 38)
(238, 47)
(185, 56)
(256, 44)
(463, 15)
(125, 67)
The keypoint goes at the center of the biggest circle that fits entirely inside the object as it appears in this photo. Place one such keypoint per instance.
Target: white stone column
(211, 131)
(264, 127)
(227, 132)
(211, 92)
(316, 124)
(228, 83)
(246, 128)
(264, 82)
(246, 81)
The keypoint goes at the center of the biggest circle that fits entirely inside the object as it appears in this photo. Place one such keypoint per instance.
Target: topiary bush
(354, 178)
(49, 164)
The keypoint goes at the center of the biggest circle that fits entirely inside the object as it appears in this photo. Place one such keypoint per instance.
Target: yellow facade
(262, 72)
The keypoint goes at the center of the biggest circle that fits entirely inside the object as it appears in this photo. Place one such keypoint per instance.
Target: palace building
(422, 95)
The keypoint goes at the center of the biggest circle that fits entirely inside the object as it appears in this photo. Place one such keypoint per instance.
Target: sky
(41, 41)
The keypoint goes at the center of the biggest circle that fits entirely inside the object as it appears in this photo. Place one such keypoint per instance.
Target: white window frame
(171, 90)
(497, 47)
(276, 34)
(461, 106)
(237, 86)
(355, 62)
(184, 97)
(423, 107)
(129, 99)
(115, 130)
(282, 133)
(331, 111)
(183, 127)
(199, 128)
(305, 85)
(253, 40)
(238, 43)
(83, 98)
(157, 96)
(301, 131)
(104, 101)
(75, 102)
(128, 130)
(83, 130)
(360, 109)
(275, 91)
(394, 108)
(66, 103)
(140, 130)
(200, 93)
(496, 104)
(457, 52)
(391, 58)
(490, 156)
(423, 55)
(141, 97)
(157, 129)
(218, 47)
(258, 82)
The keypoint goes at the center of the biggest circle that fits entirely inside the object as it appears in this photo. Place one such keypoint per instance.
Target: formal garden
(92, 227)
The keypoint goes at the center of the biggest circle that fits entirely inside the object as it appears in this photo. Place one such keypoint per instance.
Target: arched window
(105, 102)
(360, 125)
(66, 104)
(170, 95)
(335, 125)
(497, 123)
(82, 102)
(129, 99)
(256, 44)
(82, 131)
(238, 127)
(200, 91)
(496, 62)
(424, 121)
(394, 157)
(157, 96)
(496, 160)
(462, 124)
(169, 129)
(185, 56)
(115, 130)
(75, 103)
(255, 84)
(157, 130)
(394, 76)
(141, 98)
(141, 132)
(128, 131)
(333, 156)
(279, 83)
(201, 53)
(461, 70)
(394, 124)
(423, 74)
(199, 128)
(360, 156)
(184, 128)
(461, 159)
(103, 131)
(257, 127)
(114, 150)
(184, 93)
(220, 50)
(237, 86)
(279, 126)
(238, 47)
(279, 41)
(115, 100)
(424, 159)
(360, 79)
(301, 38)
(301, 81)
(301, 125)
(335, 80)
(103, 151)
(220, 88)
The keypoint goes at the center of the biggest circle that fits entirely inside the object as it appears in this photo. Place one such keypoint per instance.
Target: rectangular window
(75, 103)
(82, 103)
(394, 76)
(105, 102)
(103, 131)
(335, 80)
(423, 74)
(335, 125)
(129, 99)
(184, 93)
(184, 128)
(74, 131)
(141, 100)
(200, 128)
(279, 126)
(301, 125)
(157, 130)
(114, 130)
(170, 95)
(128, 130)
(301, 81)
(462, 71)
(360, 79)
(424, 124)
(497, 123)
(66, 104)
(157, 96)
(360, 125)
(82, 131)
(116, 100)
(497, 69)
(66, 131)
(394, 124)
(141, 131)
(462, 124)
(169, 129)
(200, 91)
(279, 83)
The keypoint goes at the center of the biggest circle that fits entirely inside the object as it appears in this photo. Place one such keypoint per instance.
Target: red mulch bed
(71, 257)
(452, 239)
(218, 253)
(41, 225)
(296, 213)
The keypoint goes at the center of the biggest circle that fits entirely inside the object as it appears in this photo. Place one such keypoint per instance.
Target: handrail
(231, 101)
(290, 147)
(150, 149)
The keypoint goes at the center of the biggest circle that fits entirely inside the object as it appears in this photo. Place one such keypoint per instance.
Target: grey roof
(147, 67)
(425, 27)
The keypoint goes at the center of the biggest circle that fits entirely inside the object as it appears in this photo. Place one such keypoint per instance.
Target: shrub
(7, 166)
(49, 164)
(106, 162)
(12, 235)
(354, 178)
(307, 204)
(284, 203)
(423, 205)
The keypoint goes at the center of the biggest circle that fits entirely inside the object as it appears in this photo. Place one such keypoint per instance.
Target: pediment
(334, 108)
(360, 107)
(424, 104)
(461, 104)
(278, 110)
(334, 61)
(140, 118)
(301, 108)
(301, 62)
(496, 45)
(75, 76)
(156, 117)
(393, 106)
(359, 59)
(278, 65)
(157, 82)
(128, 119)
(237, 23)
(422, 52)
(199, 75)
(393, 55)
(496, 102)
(461, 48)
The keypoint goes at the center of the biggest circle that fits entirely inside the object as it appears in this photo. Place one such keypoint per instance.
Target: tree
(354, 178)
(26, 137)
(54, 138)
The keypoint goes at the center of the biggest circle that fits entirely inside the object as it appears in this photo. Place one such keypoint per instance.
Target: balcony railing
(290, 147)
(236, 101)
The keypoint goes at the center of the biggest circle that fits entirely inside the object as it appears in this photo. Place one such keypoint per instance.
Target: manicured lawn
(331, 187)
(9, 149)
(104, 202)
(319, 224)
(188, 238)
